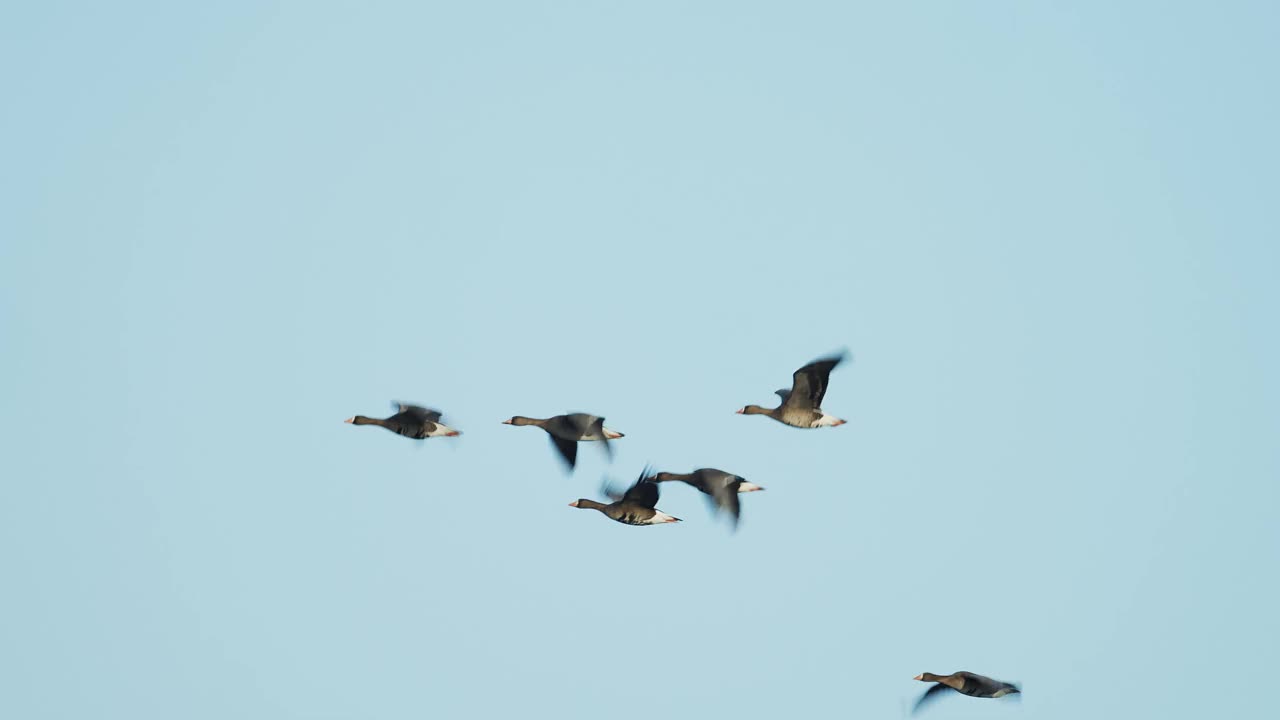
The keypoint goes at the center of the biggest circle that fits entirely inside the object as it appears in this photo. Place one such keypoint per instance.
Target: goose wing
(643, 493)
(568, 449)
(723, 489)
(416, 413)
(809, 383)
(929, 695)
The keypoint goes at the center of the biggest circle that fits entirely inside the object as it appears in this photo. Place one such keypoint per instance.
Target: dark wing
(809, 383)
(577, 424)
(644, 492)
(981, 685)
(568, 449)
(417, 413)
(929, 695)
(727, 498)
(723, 489)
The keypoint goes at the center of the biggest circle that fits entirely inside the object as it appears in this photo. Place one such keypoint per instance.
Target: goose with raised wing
(802, 405)
(636, 506)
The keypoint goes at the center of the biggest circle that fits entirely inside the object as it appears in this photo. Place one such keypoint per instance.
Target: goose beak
(749, 487)
(506, 422)
(455, 433)
(573, 504)
(349, 420)
(918, 677)
(740, 411)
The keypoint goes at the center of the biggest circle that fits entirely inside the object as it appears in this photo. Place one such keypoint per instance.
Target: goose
(634, 507)
(410, 421)
(722, 487)
(567, 431)
(801, 405)
(967, 683)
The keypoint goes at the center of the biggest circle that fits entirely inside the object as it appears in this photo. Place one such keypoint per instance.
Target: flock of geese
(800, 407)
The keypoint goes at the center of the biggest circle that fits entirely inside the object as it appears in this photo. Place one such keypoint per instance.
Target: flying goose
(634, 507)
(567, 431)
(967, 683)
(802, 405)
(410, 421)
(720, 486)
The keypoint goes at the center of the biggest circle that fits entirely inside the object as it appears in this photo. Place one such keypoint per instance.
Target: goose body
(568, 430)
(411, 421)
(966, 683)
(801, 405)
(634, 507)
(722, 487)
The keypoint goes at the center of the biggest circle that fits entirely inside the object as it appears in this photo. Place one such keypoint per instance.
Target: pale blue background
(1047, 230)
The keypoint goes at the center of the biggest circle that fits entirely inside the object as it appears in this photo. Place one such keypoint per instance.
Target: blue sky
(1046, 231)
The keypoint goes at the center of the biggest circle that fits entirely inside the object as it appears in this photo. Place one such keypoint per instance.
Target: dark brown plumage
(967, 683)
(802, 405)
(411, 421)
(720, 486)
(634, 507)
(567, 431)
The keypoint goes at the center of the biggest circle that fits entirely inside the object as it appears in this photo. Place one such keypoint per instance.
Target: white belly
(442, 430)
(827, 421)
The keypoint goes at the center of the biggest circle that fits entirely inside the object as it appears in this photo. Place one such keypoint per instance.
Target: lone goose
(722, 487)
(801, 405)
(634, 507)
(968, 683)
(567, 431)
(410, 421)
